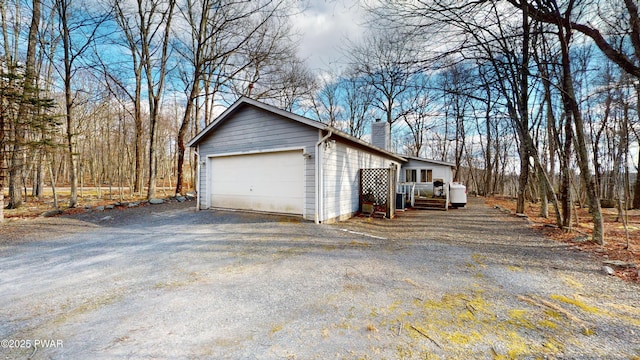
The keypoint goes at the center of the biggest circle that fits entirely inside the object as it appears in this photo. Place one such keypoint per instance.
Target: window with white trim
(411, 175)
(426, 175)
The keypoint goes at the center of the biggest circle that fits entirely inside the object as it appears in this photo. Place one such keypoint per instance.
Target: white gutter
(319, 182)
(197, 184)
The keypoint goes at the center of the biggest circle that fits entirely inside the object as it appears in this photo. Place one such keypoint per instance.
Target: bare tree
(543, 57)
(146, 27)
(131, 36)
(155, 17)
(419, 121)
(490, 145)
(620, 21)
(384, 61)
(16, 167)
(345, 102)
(565, 33)
(225, 40)
(6, 106)
(455, 84)
(326, 102)
(9, 101)
(294, 84)
(78, 32)
(483, 31)
(358, 102)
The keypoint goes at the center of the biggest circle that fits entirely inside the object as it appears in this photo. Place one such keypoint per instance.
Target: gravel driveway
(168, 282)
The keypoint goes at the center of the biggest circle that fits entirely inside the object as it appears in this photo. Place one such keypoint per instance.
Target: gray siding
(251, 129)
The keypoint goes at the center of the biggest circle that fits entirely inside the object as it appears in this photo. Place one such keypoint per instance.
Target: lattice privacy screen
(378, 186)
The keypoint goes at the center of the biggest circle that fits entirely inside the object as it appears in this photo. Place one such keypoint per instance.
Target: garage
(269, 181)
(254, 156)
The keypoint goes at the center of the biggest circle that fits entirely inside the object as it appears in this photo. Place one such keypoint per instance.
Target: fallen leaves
(615, 240)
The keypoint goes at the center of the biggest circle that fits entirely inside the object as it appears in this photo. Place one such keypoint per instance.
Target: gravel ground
(168, 282)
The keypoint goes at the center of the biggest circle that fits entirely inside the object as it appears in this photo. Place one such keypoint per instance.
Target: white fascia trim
(430, 161)
(253, 152)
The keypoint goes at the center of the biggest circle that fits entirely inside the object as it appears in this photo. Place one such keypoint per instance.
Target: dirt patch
(20, 229)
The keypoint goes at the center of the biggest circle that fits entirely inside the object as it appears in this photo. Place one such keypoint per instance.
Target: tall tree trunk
(186, 121)
(153, 160)
(5, 33)
(3, 120)
(38, 183)
(139, 134)
(68, 97)
(552, 140)
(622, 165)
(134, 37)
(545, 180)
(572, 108)
(544, 200)
(523, 179)
(488, 159)
(16, 168)
(523, 108)
(155, 89)
(460, 141)
(565, 181)
(636, 187)
(198, 64)
(73, 156)
(2, 164)
(53, 184)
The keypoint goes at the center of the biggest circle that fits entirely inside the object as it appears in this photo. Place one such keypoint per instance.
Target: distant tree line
(108, 92)
(555, 82)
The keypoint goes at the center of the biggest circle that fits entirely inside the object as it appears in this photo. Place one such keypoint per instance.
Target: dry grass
(615, 239)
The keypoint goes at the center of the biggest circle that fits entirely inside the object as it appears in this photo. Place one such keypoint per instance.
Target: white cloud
(325, 27)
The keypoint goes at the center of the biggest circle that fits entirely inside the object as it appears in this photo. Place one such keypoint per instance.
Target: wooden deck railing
(425, 195)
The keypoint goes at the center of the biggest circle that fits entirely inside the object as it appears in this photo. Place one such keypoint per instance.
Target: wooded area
(533, 99)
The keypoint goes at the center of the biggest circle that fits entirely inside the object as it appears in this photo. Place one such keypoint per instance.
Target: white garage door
(264, 182)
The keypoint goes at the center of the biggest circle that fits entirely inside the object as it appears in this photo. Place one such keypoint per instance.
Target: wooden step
(430, 201)
(430, 204)
(429, 208)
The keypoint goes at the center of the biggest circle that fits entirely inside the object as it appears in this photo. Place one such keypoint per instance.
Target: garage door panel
(231, 202)
(264, 182)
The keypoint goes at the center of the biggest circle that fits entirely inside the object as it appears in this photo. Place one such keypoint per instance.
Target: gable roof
(244, 101)
(430, 161)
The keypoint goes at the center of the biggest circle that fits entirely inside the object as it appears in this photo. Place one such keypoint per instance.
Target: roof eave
(444, 163)
(364, 143)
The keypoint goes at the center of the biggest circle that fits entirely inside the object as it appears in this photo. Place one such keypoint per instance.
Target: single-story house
(257, 157)
(421, 170)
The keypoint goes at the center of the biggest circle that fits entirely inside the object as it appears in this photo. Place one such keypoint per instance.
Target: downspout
(197, 184)
(319, 182)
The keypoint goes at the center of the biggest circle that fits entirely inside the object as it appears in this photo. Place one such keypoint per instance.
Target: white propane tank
(457, 195)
